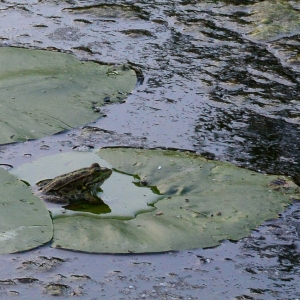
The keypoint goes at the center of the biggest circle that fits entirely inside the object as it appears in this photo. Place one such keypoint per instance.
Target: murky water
(218, 79)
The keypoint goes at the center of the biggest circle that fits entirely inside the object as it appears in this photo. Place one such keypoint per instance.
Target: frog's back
(43, 183)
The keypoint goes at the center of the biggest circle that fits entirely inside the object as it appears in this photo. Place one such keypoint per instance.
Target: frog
(79, 185)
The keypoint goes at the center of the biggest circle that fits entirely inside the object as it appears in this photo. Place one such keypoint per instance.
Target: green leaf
(204, 203)
(45, 92)
(25, 222)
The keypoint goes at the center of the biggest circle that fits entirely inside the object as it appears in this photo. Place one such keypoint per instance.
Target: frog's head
(98, 174)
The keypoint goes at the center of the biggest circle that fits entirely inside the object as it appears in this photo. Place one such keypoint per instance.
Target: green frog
(82, 184)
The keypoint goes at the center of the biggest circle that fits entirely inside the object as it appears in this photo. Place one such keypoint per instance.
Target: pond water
(217, 77)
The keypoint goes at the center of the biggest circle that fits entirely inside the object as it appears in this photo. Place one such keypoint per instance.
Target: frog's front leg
(93, 189)
(90, 198)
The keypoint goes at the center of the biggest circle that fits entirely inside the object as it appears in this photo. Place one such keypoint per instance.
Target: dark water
(209, 85)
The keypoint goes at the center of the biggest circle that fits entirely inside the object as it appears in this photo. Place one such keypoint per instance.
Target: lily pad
(44, 92)
(204, 203)
(25, 220)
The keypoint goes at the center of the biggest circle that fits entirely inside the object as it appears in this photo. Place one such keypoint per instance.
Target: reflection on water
(86, 207)
(255, 141)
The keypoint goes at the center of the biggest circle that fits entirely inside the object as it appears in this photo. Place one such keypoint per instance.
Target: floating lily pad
(44, 92)
(25, 221)
(204, 203)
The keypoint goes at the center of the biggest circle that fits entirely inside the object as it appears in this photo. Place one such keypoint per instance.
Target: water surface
(217, 77)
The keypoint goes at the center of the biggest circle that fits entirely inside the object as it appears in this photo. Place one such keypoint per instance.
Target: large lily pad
(205, 202)
(44, 92)
(25, 222)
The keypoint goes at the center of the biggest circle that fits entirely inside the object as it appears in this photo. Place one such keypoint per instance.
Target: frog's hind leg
(55, 199)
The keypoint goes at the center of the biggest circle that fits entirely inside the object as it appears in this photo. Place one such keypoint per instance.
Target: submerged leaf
(205, 202)
(45, 92)
(273, 19)
(25, 222)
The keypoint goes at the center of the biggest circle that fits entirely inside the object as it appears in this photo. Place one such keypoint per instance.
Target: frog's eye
(95, 165)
